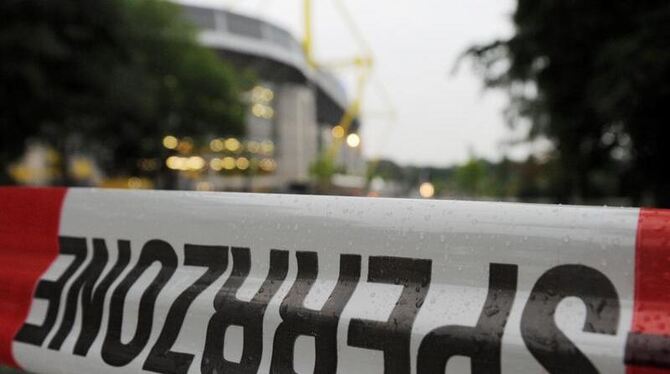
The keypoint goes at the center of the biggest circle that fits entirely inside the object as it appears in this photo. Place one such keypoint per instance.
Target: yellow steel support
(308, 39)
(355, 62)
(353, 111)
(362, 63)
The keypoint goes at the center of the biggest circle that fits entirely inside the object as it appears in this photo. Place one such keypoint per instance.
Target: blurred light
(257, 110)
(262, 111)
(203, 186)
(228, 163)
(337, 131)
(253, 146)
(185, 163)
(232, 144)
(268, 164)
(262, 94)
(216, 164)
(170, 142)
(353, 140)
(123, 182)
(195, 163)
(216, 145)
(242, 163)
(20, 173)
(267, 147)
(82, 168)
(175, 163)
(426, 190)
(134, 182)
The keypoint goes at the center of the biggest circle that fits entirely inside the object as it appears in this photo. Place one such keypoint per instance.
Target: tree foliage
(594, 78)
(476, 178)
(110, 77)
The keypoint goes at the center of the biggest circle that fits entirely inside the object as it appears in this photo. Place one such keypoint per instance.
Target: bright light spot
(262, 94)
(267, 147)
(353, 140)
(228, 163)
(174, 162)
(262, 111)
(268, 164)
(242, 163)
(337, 131)
(216, 164)
(257, 110)
(427, 190)
(170, 142)
(195, 163)
(232, 144)
(216, 145)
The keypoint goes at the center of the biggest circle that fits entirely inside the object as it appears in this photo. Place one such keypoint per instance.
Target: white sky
(440, 117)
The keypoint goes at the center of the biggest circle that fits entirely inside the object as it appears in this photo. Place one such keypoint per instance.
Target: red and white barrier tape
(180, 282)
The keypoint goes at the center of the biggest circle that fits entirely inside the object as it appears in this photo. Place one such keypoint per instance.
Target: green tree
(469, 178)
(108, 76)
(593, 77)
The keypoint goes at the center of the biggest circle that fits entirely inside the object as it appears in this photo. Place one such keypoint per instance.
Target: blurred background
(517, 100)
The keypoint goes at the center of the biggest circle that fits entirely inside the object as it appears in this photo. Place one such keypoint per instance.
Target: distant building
(291, 111)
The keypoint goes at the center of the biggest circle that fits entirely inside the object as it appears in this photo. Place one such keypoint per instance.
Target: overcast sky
(441, 117)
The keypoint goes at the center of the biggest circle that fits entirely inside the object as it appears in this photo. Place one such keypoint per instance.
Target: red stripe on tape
(650, 331)
(29, 224)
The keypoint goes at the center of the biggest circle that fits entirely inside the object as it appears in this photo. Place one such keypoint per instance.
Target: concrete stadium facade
(294, 107)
